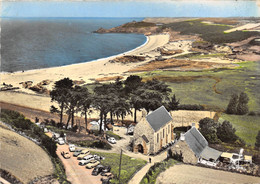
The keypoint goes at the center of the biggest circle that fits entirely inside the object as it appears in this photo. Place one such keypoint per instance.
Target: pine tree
(242, 107)
(257, 142)
(232, 106)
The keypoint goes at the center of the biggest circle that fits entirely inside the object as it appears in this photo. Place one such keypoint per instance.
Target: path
(122, 144)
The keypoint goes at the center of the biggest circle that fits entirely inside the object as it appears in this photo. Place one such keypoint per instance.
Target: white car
(112, 140)
(60, 141)
(86, 160)
(72, 147)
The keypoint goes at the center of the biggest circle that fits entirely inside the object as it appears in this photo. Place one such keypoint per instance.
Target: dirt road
(193, 174)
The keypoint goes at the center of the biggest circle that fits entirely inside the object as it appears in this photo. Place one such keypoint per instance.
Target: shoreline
(88, 72)
(96, 60)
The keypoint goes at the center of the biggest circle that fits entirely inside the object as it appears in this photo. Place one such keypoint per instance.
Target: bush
(208, 128)
(252, 113)
(257, 142)
(226, 132)
(194, 107)
(156, 169)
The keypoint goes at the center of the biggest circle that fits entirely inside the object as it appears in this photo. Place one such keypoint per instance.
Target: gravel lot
(181, 174)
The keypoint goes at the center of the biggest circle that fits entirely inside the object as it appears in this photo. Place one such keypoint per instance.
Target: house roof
(210, 153)
(199, 145)
(196, 141)
(158, 118)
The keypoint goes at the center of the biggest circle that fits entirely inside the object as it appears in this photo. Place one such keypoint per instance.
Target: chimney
(144, 114)
(182, 138)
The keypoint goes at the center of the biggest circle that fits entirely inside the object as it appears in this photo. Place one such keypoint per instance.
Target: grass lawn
(247, 126)
(213, 87)
(128, 168)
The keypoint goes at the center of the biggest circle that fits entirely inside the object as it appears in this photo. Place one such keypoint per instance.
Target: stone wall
(143, 128)
(181, 147)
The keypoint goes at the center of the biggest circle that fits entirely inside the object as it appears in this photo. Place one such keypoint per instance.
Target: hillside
(22, 157)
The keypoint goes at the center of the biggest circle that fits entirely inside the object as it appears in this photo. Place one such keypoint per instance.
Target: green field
(213, 87)
(246, 126)
(128, 168)
(213, 33)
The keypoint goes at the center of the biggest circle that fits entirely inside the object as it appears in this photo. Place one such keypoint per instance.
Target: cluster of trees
(215, 132)
(238, 104)
(113, 99)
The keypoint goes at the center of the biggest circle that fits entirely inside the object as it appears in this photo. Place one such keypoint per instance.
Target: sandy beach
(84, 71)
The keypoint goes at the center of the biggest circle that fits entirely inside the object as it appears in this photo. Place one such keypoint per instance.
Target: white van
(86, 160)
(72, 147)
(60, 141)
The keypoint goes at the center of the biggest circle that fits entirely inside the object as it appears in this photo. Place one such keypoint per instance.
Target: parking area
(76, 173)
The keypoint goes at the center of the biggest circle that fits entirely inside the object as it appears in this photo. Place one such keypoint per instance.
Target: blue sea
(41, 43)
(29, 42)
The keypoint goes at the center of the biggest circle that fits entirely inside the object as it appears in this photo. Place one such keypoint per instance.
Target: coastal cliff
(133, 27)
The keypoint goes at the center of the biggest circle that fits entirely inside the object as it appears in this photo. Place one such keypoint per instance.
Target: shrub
(252, 113)
(208, 128)
(232, 106)
(257, 142)
(49, 144)
(191, 107)
(226, 132)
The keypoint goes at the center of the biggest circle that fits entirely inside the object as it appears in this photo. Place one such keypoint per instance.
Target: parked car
(77, 152)
(83, 153)
(86, 160)
(108, 175)
(92, 163)
(45, 130)
(72, 147)
(55, 135)
(60, 141)
(105, 170)
(66, 155)
(97, 157)
(98, 169)
(112, 140)
(105, 180)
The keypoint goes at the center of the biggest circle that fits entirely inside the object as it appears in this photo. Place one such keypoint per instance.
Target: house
(153, 131)
(194, 148)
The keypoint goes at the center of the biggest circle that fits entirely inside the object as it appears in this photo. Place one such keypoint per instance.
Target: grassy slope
(247, 126)
(129, 166)
(27, 163)
(200, 90)
(209, 32)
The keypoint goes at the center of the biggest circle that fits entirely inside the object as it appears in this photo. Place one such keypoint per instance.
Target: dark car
(106, 169)
(98, 169)
(77, 153)
(105, 180)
